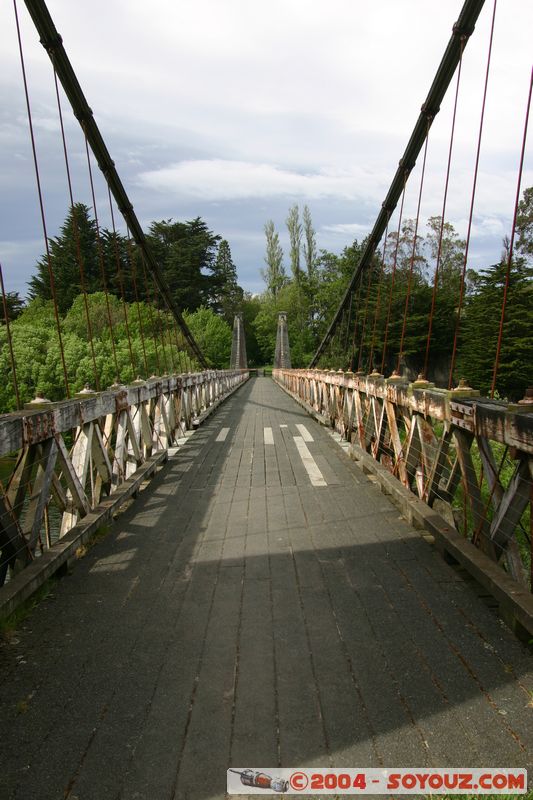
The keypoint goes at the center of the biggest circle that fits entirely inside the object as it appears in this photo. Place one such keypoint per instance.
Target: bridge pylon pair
(282, 356)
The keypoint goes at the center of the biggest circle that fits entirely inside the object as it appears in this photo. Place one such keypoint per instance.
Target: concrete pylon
(238, 345)
(282, 357)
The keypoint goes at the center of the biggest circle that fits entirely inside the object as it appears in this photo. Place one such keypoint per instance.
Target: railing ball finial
(87, 391)
(38, 402)
(395, 376)
(422, 382)
(527, 401)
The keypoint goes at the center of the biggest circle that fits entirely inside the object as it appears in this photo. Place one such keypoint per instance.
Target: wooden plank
(40, 494)
(133, 438)
(463, 442)
(412, 450)
(20, 479)
(100, 456)
(512, 504)
(58, 493)
(119, 460)
(13, 543)
(438, 469)
(360, 428)
(396, 442)
(381, 428)
(81, 452)
(146, 429)
(490, 470)
(79, 498)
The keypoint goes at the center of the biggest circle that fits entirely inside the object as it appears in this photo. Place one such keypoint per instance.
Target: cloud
(222, 179)
(347, 228)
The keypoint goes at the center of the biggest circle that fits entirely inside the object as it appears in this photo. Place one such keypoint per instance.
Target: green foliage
(274, 274)
(294, 300)
(213, 335)
(226, 295)
(524, 223)
(15, 306)
(76, 244)
(186, 252)
(38, 357)
(251, 306)
(480, 328)
(294, 228)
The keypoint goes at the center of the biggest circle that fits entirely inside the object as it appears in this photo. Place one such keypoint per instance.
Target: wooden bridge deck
(260, 604)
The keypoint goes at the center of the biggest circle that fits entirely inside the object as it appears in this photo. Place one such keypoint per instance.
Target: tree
(452, 250)
(480, 328)
(265, 325)
(227, 295)
(186, 252)
(15, 306)
(524, 223)
(295, 239)
(77, 243)
(213, 335)
(309, 247)
(274, 275)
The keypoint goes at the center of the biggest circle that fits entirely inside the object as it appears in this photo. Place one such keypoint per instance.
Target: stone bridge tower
(282, 357)
(238, 345)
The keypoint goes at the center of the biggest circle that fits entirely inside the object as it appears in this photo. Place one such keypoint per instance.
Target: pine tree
(480, 327)
(227, 295)
(186, 252)
(77, 238)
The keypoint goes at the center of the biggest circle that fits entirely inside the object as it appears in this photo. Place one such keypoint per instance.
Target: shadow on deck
(238, 615)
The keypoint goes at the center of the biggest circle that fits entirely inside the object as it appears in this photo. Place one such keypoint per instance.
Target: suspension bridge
(329, 568)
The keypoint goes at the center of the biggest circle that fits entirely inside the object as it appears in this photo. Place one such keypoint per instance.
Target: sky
(234, 110)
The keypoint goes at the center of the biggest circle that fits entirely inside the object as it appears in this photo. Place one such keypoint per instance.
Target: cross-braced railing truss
(75, 454)
(470, 458)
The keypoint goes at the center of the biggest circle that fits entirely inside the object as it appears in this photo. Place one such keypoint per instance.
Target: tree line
(133, 333)
(408, 261)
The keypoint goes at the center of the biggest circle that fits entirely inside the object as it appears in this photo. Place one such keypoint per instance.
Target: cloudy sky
(233, 110)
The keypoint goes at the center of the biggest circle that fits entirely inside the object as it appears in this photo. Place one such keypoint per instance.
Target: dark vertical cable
(361, 341)
(101, 262)
(413, 253)
(151, 311)
(472, 201)
(356, 320)
(41, 204)
(393, 276)
(511, 245)
(443, 216)
(76, 232)
(378, 299)
(10, 340)
(121, 281)
(132, 259)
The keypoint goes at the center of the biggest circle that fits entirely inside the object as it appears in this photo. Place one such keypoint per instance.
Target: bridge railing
(75, 462)
(469, 458)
